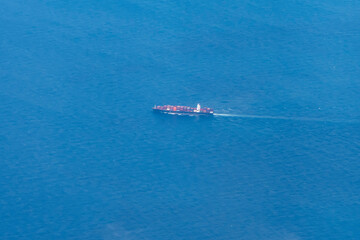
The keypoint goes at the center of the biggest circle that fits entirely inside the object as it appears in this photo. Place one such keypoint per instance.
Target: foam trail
(287, 118)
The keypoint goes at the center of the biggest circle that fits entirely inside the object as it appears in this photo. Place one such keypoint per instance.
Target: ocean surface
(82, 156)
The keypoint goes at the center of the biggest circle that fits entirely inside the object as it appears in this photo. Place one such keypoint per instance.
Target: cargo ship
(183, 110)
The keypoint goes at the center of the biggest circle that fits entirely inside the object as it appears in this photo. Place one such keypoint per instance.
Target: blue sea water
(82, 156)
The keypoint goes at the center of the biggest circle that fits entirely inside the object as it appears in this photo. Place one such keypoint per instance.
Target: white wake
(287, 118)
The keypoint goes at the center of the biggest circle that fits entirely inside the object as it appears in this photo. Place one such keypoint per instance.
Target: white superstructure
(198, 107)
